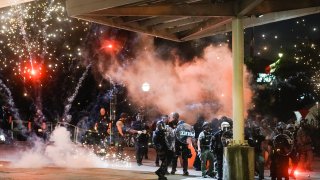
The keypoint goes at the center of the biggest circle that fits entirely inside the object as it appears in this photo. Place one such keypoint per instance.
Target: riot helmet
(206, 126)
(225, 126)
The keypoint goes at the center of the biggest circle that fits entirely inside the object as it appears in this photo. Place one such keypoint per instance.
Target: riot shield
(183, 132)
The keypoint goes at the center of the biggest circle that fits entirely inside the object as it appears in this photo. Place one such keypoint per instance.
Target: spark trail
(73, 96)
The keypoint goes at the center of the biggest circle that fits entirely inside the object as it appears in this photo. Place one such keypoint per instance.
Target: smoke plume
(202, 85)
(62, 152)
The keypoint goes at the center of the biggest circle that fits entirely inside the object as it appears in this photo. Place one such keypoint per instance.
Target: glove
(139, 132)
(144, 131)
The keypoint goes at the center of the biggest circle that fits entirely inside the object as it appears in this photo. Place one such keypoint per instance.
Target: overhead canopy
(5, 3)
(182, 20)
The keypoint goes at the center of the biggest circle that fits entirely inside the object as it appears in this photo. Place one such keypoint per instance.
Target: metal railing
(77, 133)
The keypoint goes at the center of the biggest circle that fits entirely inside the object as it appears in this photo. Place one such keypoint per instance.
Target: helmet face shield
(225, 126)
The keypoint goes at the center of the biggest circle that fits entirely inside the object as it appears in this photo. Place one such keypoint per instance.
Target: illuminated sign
(265, 78)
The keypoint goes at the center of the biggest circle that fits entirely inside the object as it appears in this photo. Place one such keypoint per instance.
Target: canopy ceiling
(183, 20)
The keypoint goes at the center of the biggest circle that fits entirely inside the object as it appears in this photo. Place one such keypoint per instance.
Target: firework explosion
(40, 45)
(45, 61)
(32, 33)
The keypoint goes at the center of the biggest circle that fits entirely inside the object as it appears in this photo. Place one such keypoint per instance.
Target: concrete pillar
(237, 84)
(238, 159)
(238, 163)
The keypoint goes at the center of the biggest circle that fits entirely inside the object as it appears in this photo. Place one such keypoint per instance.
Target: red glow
(31, 71)
(296, 172)
(110, 46)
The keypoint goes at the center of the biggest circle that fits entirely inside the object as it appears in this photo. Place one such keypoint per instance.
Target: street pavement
(130, 171)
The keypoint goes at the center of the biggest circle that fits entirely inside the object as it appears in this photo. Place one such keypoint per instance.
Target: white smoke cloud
(62, 152)
(202, 84)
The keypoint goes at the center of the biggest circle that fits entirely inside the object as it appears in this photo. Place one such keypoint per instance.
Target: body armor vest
(205, 142)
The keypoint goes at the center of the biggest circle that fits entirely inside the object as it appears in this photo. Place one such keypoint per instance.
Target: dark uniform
(165, 119)
(218, 151)
(218, 145)
(181, 149)
(205, 140)
(197, 129)
(279, 162)
(162, 149)
(255, 141)
(153, 129)
(103, 125)
(102, 128)
(141, 140)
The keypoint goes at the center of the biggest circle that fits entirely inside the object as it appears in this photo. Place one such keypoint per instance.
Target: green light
(280, 55)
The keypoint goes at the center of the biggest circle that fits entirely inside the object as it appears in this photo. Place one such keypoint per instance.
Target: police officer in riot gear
(181, 149)
(255, 141)
(279, 160)
(218, 146)
(198, 128)
(162, 149)
(169, 134)
(139, 128)
(205, 150)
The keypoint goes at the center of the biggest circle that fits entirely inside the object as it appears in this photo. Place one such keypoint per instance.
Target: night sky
(44, 53)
